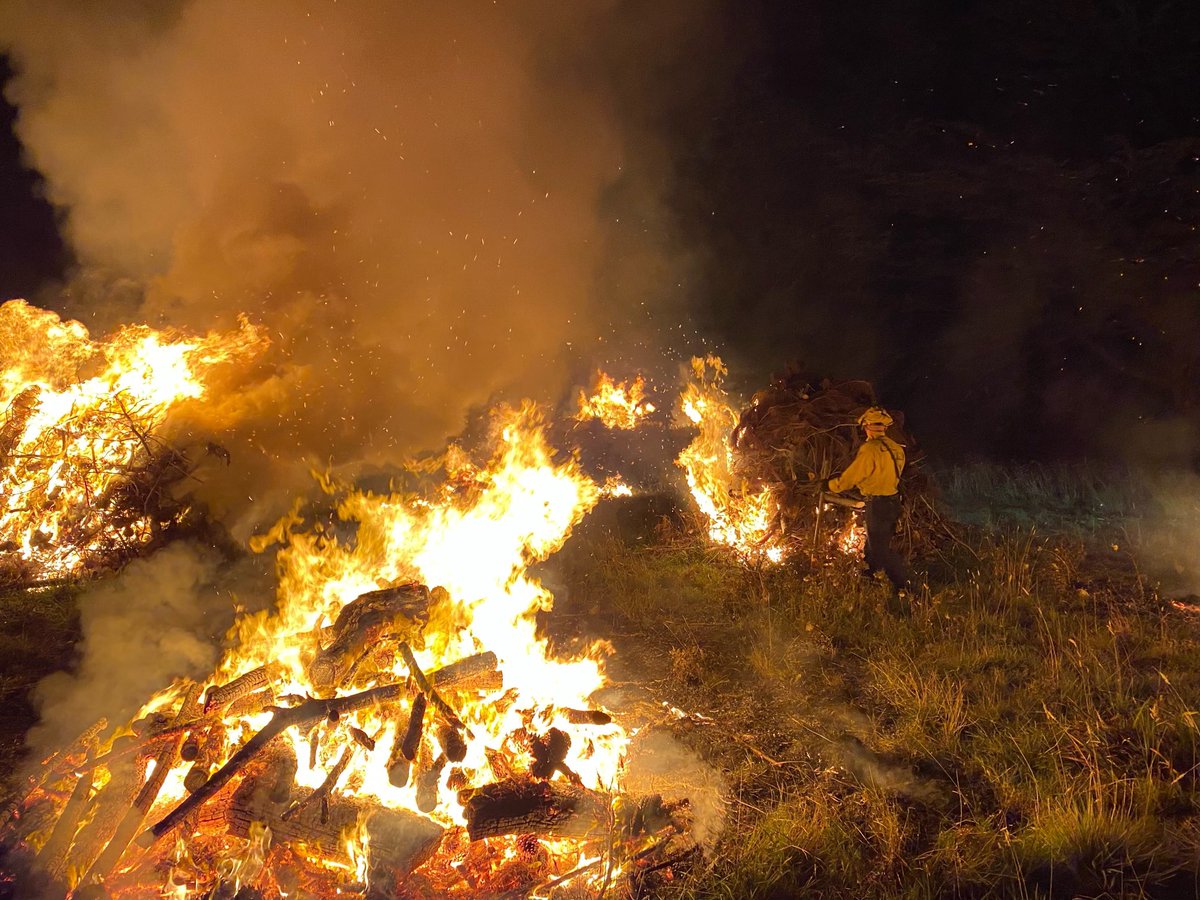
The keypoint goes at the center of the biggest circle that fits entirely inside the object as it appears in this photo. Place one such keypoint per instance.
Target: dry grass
(1030, 730)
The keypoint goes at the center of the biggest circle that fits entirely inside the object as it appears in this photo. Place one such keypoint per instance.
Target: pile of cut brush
(87, 495)
(227, 818)
(802, 429)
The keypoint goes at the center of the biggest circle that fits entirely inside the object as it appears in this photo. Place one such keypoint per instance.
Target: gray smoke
(162, 618)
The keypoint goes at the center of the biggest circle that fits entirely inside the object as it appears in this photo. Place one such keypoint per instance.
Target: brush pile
(802, 429)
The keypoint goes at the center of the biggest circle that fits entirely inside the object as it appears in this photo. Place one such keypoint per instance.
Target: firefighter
(875, 471)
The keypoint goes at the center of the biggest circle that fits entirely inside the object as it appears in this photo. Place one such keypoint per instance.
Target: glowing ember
(80, 424)
(738, 517)
(616, 404)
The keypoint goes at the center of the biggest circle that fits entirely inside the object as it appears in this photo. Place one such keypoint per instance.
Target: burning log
(126, 776)
(475, 673)
(427, 689)
(398, 841)
(361, 624)
(132, 821)
(221, 696)
(452, 743)
(429, 774)
(207, 749)
(412, 734)
(536, 807)
(53, 857)
(404, 750)
(307, 713)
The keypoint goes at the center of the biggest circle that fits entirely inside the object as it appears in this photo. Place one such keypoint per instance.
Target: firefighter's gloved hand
(827, 485)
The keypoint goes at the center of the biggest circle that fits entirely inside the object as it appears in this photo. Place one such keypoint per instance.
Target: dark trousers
(882, 515)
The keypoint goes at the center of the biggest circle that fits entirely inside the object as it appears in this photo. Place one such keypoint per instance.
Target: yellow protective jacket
(875, 470)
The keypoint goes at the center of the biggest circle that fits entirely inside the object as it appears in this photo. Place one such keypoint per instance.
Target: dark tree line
(989, 209)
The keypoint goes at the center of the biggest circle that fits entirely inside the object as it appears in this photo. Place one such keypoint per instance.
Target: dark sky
(987, 208)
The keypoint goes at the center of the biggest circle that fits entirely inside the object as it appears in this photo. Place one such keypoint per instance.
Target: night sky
(988, 209)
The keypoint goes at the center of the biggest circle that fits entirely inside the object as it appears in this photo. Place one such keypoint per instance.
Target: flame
(737, 516)
(475, 537)
(851, 539)
(81, 420)
(616, 404)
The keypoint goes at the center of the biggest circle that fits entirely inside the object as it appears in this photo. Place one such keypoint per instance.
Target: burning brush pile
(793, 436)
(86, 478)
(373, 735)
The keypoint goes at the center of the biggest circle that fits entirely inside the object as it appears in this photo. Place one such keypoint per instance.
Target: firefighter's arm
(858, 470)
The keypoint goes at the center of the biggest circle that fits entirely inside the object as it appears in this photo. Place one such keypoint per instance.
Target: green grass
(38, 630)
(1030, 730)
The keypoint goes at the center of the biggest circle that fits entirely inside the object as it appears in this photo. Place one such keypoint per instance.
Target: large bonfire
(396, 725)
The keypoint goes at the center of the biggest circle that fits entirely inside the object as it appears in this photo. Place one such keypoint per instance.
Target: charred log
(412, 734)
(361, 624)
(536, 807)
(452, 743)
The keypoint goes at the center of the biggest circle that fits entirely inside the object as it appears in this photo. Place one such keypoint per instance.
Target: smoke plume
(160, 619)
(415, 199)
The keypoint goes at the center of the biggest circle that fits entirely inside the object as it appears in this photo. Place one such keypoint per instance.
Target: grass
(1030, 730)
(38, 630)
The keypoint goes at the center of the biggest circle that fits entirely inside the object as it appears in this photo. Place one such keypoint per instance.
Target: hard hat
(875, 415)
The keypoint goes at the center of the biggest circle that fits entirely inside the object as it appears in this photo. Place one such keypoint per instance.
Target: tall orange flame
(737, 517)
(476, 538)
